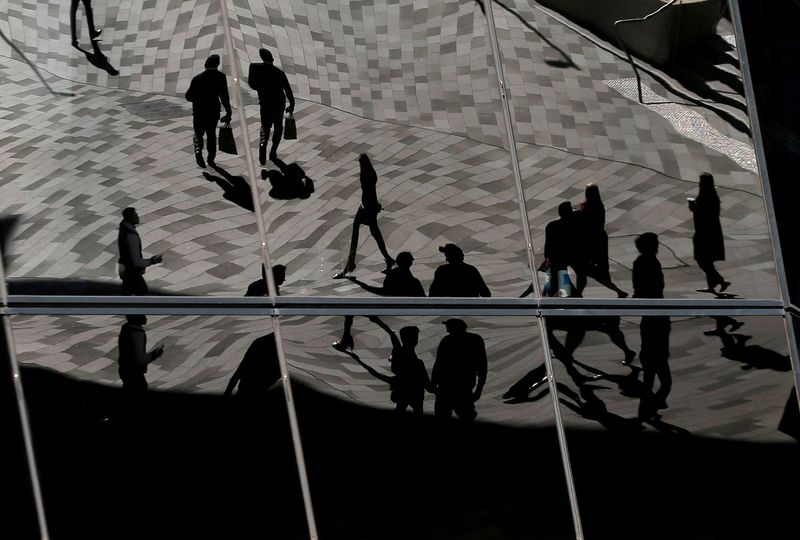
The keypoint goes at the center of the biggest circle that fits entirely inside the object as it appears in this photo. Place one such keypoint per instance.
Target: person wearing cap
(399, 281)
(459, 372)
(457, 278)
(206, 92)
(273, 90)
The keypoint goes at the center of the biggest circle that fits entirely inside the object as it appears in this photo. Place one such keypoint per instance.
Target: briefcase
(225, 141)
(289, 128)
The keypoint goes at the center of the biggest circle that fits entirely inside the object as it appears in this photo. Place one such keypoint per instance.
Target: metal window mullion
(22, 407)
(548, 360)
(761, 160)
(262, 233)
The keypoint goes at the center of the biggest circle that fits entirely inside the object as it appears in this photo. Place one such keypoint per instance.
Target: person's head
(706, 182)
(364, 161)
(647, 243)
(593, 193)
(452, 253)
(455, 326)
(279, 274)
(212, 62)
(409, 335)
(404, 259)
(265, 55)
(565, 209)
(130, 215)
(140, 320)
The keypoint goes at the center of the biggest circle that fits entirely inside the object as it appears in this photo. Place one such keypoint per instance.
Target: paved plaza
(413, 85)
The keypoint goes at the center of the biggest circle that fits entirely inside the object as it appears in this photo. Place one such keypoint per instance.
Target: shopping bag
(290, 128)
(225, 140)
(564, 284)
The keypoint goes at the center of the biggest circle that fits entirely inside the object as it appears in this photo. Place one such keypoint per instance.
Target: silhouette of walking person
(459, 372)
(259, 287)
(591, 255)
(206, 92)
(399, 281)
(457, 278)
(648, 282)
(289, 182)
(273, 90)
(131, 264)
(94, 33)
(235, 188)
(559, 241)
(410, 379)
(367, 214)
(708, 243)
(133, 361)
(258, 371)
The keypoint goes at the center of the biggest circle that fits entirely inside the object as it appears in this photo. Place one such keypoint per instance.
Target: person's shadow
(98, 59)
(289, 182)
(235, 188)
(734, 347)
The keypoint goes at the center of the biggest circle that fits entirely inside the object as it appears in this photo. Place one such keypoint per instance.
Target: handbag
(289, 128)
(225, 141)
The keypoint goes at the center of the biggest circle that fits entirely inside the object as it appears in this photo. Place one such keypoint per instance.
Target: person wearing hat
(457, 278)
(399, 281)
(459, 372)
(273, 90)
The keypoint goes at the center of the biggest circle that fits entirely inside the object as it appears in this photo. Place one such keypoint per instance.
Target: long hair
(367, 173)
(708, 193)
(594, 207)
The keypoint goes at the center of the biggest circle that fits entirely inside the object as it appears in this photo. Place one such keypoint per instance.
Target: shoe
(95, 34)
(348, 269)
(715, 332)
(199, 158)
(622, 294)
(262, 155)
(208, 176)
(75, 44)
(708, 290)
(345, 343)
(629, 356)
(273, 155)
(724, 285)
(211, 161)
(735, 326)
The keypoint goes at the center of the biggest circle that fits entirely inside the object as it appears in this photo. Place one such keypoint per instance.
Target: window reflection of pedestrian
(459, 372)
(457, 278)
(134, 359)
(259, 287)
(648, 282)
(399, 281)
(206, 91)
(131, 263)
(591, 250)
(708, 243)
(273, 91)
(559, 242)
(94, 33)
(367, 214)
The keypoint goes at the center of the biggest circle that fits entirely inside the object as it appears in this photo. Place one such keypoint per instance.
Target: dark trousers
(73, 9)
(271, 119)
(713, 278)
(369, 218)
(205, 125)
(654, 357)
(134, 285)
(460, 403)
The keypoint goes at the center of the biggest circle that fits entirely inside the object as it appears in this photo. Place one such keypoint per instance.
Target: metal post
(251, 171)
(526, 229)
(761, 160)
(33, 470)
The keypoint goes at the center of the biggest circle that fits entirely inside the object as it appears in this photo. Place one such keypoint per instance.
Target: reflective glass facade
(513, 276)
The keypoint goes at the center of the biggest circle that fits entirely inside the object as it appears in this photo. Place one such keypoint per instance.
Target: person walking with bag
(206, 92)
(707, 241)
(273, 90)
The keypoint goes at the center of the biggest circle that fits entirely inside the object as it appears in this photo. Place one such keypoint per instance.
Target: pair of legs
(460, 403)
(713, 277)
(654, 357)
(403, 405)
(370, 219)
(87, 8)
(347, 337)
(599, 274)
(134, 285)
(205, 126)
(609, 327)
(271, 119)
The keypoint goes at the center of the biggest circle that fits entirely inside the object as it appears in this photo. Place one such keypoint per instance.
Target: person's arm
(233, 382)
(484, 290)
(377, 320)
(368, 288)
(287, 89)
(436, 371)
(374, 372)
(483, 368)
(252, 78)
(134, 246)
(225, 97)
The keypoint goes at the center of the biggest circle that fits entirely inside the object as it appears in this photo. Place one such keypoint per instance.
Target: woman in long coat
(707, 241)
